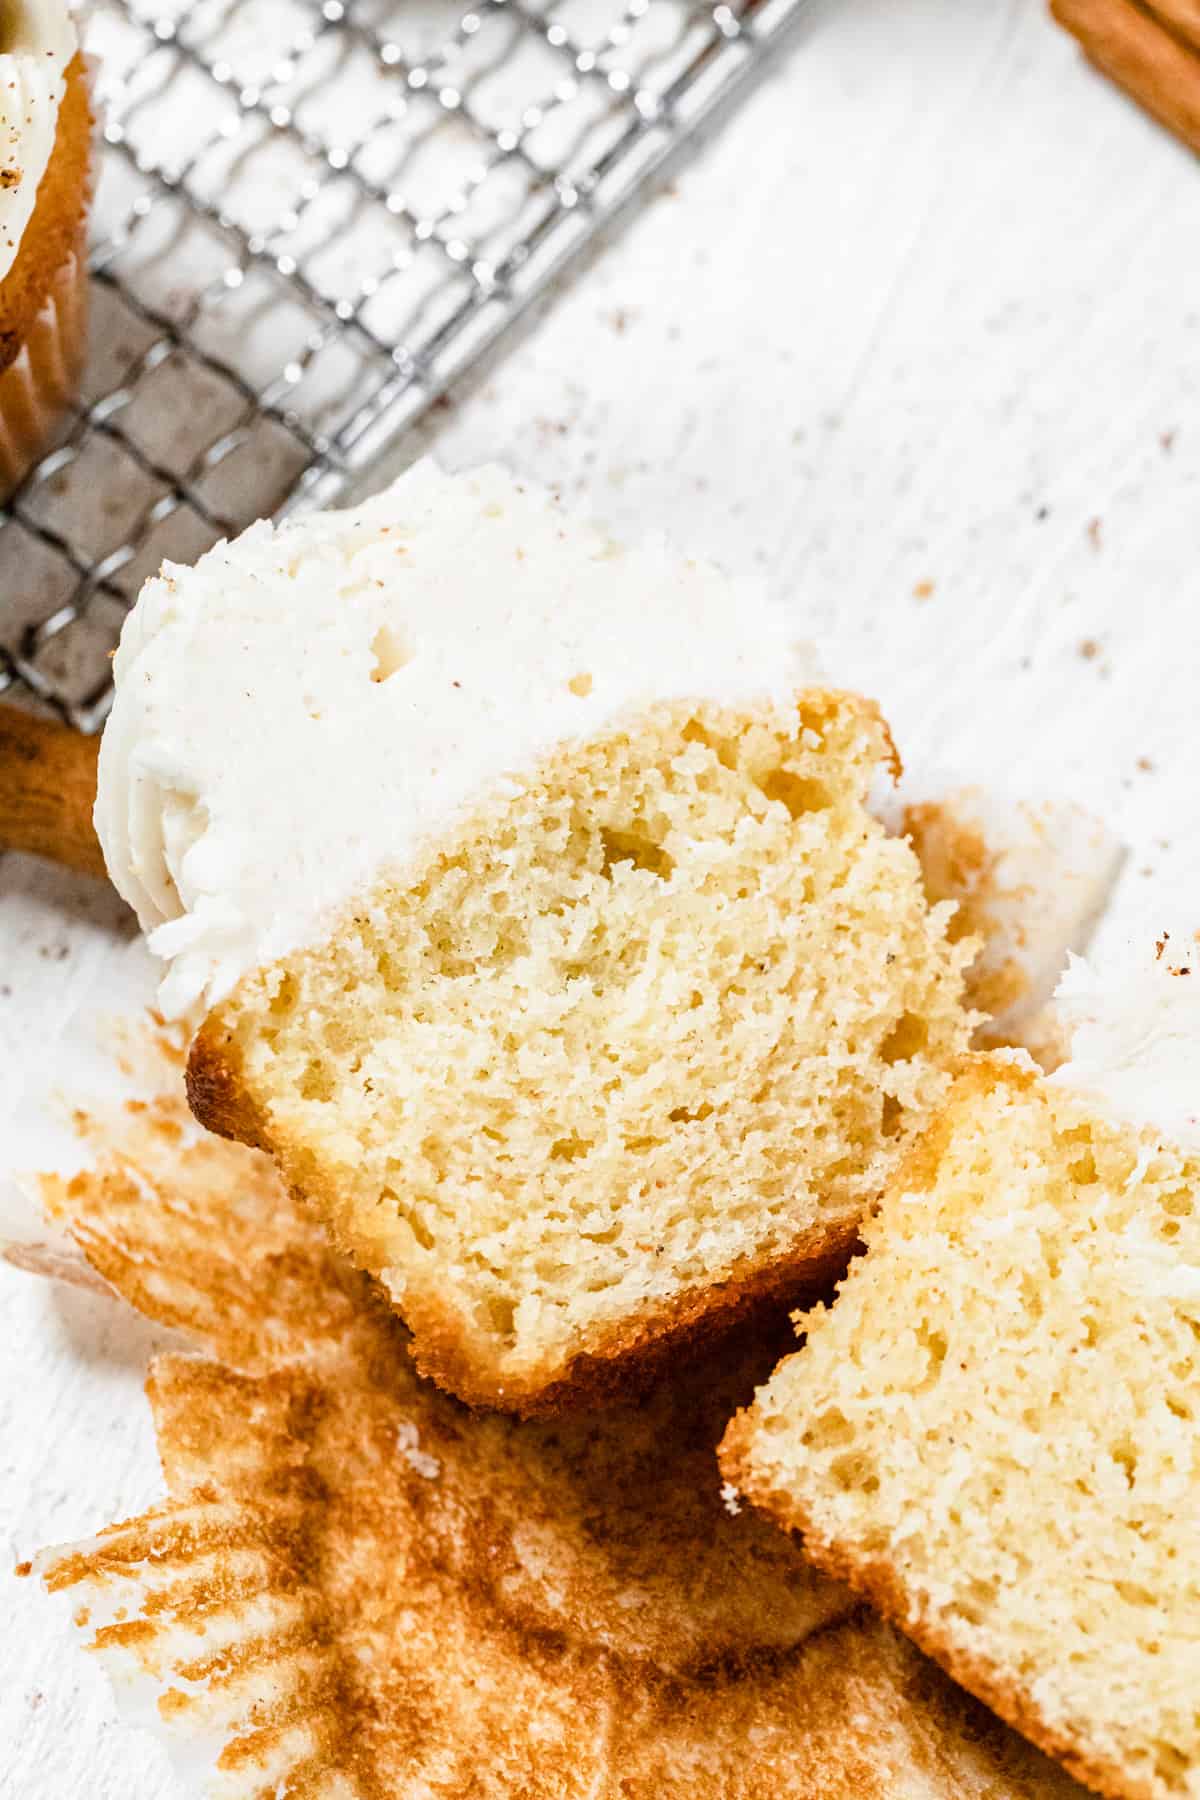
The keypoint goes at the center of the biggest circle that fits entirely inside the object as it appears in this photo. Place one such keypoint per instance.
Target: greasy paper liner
(43, 379)
(356, 1588)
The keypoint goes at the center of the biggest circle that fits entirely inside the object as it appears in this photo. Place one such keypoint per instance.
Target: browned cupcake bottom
(43, 298)
(44, 377)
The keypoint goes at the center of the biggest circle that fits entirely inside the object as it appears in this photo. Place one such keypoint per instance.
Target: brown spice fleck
(923, 590)
(1145, 765)
(1093, 531)
(1089, 649)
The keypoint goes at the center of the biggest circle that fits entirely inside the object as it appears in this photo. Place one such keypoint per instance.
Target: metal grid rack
(312, 216)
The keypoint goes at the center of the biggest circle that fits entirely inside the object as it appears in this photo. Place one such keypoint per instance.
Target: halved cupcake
(557, 955)
(992, 1433)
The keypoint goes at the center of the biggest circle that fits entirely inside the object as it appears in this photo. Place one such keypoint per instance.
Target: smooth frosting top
(1135, 1033)
(37, 41)
(312, 701)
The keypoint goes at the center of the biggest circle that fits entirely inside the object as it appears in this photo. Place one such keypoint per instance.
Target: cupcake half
(552, 948)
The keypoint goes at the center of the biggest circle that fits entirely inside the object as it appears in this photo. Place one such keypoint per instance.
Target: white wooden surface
(924, 316)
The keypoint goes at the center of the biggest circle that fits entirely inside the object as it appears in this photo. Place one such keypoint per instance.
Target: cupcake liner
(355, 1587)
(44, 377)
(1031, 878)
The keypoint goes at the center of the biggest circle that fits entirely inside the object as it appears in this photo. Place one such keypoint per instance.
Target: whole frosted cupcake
(45, 189)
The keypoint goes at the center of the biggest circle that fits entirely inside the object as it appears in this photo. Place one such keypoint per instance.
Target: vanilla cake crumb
(634, 1047)
(994, 1431)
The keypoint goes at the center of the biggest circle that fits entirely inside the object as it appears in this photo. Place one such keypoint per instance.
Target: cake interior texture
(635, 1041)
(993, 1432)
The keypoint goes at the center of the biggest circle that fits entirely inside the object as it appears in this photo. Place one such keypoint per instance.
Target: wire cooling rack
(312, 217)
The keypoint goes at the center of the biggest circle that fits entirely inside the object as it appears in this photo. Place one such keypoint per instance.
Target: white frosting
(1135, 1033)
(39, 41)
(256, 771)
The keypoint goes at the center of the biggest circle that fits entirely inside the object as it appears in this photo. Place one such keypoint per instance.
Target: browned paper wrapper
(357, 1588)
(44, 377)
(43, 296)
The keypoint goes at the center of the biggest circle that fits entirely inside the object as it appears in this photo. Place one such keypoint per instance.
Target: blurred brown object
(47, 790)
(1153, 52)
(1183, 17)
